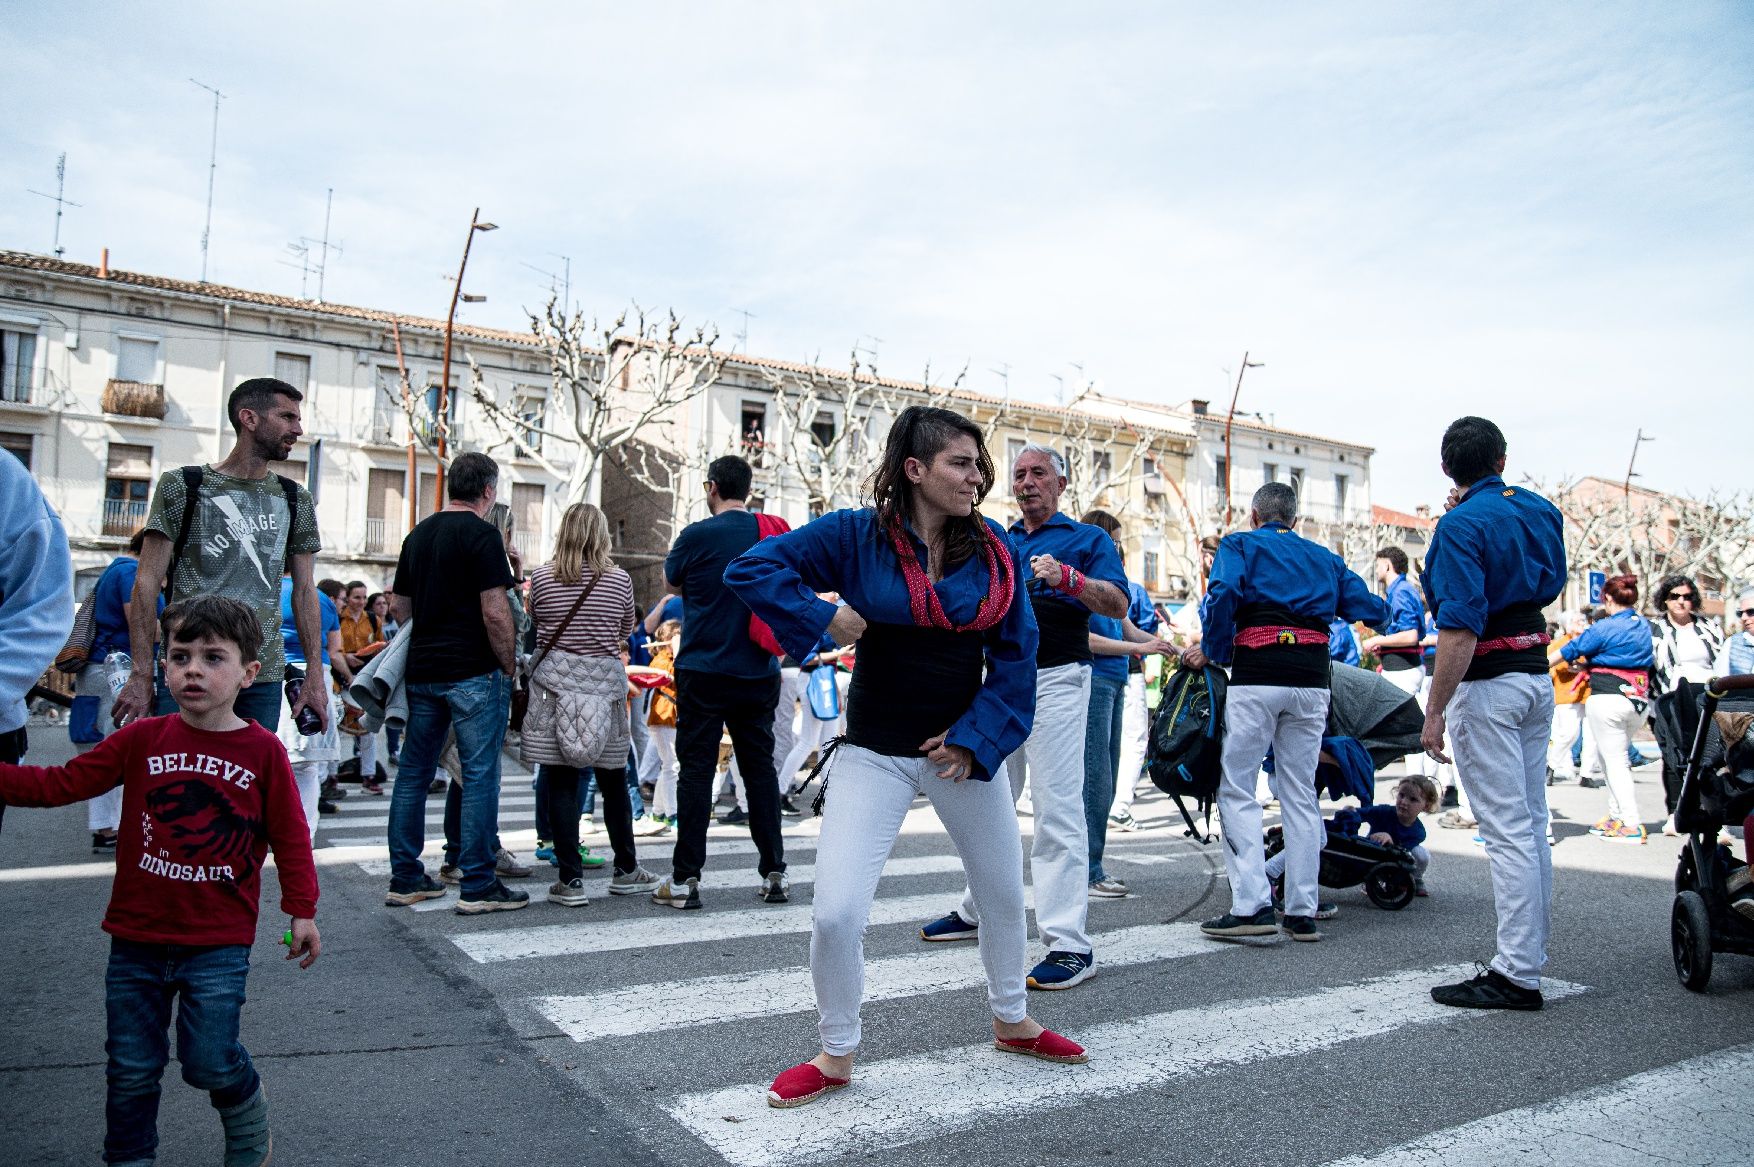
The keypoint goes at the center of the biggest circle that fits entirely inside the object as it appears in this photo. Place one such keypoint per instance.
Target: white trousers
(1499, 728)
(1135, 729)
(1567, 724)
(664, 779)
(1412, 683)
(103, 813)
(308, 777)
(867, 800)
(1290, 720)
(812, 732)
(1613, 720)
(368, 757)
(1052, 760)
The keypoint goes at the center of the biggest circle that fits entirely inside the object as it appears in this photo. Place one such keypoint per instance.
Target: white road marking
(1693, 1112)
(362, 804)
(668, 926)
(904, 1100)
(654, 852)
(713, 1000)
(432, 818)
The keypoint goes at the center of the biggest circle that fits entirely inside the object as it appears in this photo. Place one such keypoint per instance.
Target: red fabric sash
(1637, 681)
(1278, 636)
(1512, 643)
(922, 597)
(766, 526)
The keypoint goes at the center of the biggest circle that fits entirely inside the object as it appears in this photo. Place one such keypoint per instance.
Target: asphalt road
(626, 1033)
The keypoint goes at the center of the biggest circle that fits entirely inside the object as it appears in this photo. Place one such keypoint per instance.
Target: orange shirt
(356, 634)
(1570, 686)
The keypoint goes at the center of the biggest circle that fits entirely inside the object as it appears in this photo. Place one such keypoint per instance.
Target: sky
(1406, 212)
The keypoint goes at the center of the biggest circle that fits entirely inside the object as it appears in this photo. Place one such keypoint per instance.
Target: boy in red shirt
(205, 794)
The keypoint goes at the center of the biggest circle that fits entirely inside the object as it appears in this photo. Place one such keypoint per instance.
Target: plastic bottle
(117, 666)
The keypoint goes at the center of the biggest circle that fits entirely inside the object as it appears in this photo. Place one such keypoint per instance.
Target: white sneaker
(1108, 889)
(647, 825)
(1669, 827)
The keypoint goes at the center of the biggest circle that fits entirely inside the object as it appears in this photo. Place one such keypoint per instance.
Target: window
(386, 405)
(1013, 451)
(294, 369)
(752, 430)
(1101, 470)
(822, 429)
(1269, 471)
(423, 501)
(1296, 480)
(531, 406)
(429, 417)
(1222, 465)
(1150, 580)
(1341, 483)
(18, 445)
(127, 489)
(137, 360)
(1150, 469)
(18, 359)
(386, 510)
(527, 521)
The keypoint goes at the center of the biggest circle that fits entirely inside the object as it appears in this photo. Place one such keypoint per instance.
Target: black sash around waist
(1298, 666)
(1516, 620)
(1064, 627)
(911, 684)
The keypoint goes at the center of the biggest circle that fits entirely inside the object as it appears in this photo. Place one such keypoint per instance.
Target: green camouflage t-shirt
(237, 545)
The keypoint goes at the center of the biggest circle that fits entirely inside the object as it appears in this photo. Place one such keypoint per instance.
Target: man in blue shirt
(724, 680)
(1496, 559)
(1268, 606)
(1070, 570)
(1135, 713)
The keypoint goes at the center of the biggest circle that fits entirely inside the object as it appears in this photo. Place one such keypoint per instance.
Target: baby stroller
(1717, 789)
(1386, 871)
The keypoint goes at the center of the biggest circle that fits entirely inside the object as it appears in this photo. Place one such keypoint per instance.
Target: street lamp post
(442, 421)
(1228, 418)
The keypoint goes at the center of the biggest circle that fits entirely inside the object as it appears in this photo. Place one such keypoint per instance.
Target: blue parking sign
(1598, 581)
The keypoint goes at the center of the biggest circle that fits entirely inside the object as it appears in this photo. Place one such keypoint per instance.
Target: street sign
(1598, 581)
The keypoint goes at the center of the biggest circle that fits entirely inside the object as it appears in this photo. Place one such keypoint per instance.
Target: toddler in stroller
(1391, 860)
(1714, 901)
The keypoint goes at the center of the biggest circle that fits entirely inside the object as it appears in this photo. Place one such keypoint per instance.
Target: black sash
(911, 684)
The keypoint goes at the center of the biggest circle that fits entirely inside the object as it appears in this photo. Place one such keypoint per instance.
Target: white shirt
(1692, 656)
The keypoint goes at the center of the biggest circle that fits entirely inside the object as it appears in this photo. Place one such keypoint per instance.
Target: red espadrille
(1047, 1045)
(801, 1084)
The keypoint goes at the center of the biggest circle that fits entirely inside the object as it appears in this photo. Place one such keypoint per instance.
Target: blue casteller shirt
(1343, 643)
(1065, 621)
(331, 622)
(1406, 611)
(1496, 559)
(109, 611)
(841, 552)
(1620, 641)
(1273, 577)
(715, 623)
(1112, 667)
(1378, 818)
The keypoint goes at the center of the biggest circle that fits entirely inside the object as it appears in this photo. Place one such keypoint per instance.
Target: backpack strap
(290, 489)
(191, 499)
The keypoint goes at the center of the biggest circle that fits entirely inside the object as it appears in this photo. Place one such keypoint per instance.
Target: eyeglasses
(1688, 596)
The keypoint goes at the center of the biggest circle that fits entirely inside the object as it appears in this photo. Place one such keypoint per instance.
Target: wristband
(1071, 580)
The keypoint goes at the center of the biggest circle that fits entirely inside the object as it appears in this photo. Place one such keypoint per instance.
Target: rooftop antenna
(59, 198)
(565, 281)
(1004, 371)
(323, 264)
(743, 333)
(871, 348)
(301, 247)
(212, 165)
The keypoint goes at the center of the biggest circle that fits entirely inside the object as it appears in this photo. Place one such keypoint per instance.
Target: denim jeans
(260, 702)
(141, 982)
(477, 708)
(1102, 757)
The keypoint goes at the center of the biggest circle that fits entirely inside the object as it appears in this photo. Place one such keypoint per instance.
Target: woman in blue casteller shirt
(944, 689)
(1619, 655)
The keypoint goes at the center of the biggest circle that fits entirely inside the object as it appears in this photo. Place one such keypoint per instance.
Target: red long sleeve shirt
(200, 811)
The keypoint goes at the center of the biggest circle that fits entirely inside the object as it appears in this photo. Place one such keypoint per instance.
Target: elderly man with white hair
(1072, 570)
(1737, 653)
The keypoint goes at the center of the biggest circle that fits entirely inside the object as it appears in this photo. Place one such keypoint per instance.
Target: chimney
(1423, 510)
(103, 265)
(1199, 406)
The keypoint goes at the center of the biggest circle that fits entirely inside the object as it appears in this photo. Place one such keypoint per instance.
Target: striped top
(602, 625)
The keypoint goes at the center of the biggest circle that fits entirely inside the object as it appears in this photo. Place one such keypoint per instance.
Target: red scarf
(922, 597)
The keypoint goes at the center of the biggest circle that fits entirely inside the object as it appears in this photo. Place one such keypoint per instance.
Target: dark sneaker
(1490, 990)
(1062, 970)
(790, 809)
(506, 865)
(496, 897)
(732, 817)
(627, 883)
(1227, 925)
(102, 844)
(427, 889)
(1324, 910)
(450, 873)
(1301, 928)
(774, 888)
(951, 927)
(568, 895)
(331, 790)
(678, 893)
(324, 806)
(437, 787)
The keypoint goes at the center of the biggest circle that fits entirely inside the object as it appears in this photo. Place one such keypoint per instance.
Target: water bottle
(117, 666)
(309, 721)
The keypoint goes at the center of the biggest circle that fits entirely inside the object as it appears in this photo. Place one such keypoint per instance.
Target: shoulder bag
(521, 693)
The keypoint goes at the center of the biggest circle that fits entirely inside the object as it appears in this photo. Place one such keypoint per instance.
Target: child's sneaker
(1419, 888)
(248, 1142)
(544, 851)
(1625, 834)
(589, 861)
(1605, 827)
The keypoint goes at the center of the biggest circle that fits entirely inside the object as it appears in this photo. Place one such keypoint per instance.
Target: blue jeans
(141, 982)
(259, 702)
(1102, 757)
(476, 708)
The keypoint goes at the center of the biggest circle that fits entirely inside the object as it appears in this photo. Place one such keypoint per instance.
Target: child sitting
(205, 794)
(1396, 825)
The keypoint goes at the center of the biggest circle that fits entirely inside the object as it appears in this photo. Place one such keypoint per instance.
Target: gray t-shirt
(237, 545)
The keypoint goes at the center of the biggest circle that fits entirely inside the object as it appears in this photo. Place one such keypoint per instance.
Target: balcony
(529, 545)
(123, 517)
(381, 537)
(134, 399)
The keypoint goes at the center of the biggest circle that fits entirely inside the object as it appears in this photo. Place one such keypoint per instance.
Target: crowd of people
(911, 647)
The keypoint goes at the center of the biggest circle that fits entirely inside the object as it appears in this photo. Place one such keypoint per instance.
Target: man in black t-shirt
(724, 680)
(451, 582)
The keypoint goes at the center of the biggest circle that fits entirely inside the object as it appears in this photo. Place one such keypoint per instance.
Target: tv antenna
(59, 198)
(212, 165)
(303, 246)
(743, 333)
(1004, 372)
(560, 282)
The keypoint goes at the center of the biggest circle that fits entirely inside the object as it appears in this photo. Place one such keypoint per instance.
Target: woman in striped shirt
(578, 698)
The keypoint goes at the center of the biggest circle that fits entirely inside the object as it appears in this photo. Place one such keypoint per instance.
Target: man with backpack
(231, 529)
(1268, 606)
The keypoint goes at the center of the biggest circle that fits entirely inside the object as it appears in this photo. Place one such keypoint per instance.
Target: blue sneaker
(544, 851)
(951, 927)
(1062, 970)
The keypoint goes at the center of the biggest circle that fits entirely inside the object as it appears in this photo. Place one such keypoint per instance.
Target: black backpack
(192, 495)
(1186, 744)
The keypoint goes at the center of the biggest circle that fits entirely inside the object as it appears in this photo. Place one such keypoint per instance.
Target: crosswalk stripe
(654, 849)
(714, 1000)
(750, 878)
(519, 814)
(904, 1100)
(674, 927)
(379, 804)
(1694, 1111)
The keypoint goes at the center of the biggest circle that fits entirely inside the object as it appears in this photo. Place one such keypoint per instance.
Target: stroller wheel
(1690, 937)
(1389, 886)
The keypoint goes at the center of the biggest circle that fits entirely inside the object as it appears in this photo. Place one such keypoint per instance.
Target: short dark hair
(257, 394)
(731, 475)
(330, 588)
(469, 477)
(137, 542)
(1472, 448)
(215, 617)
(355, 583)
(1622, 589)
(1667, 587)
(1396, 557)
(1110, 525)
(1275, 502)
